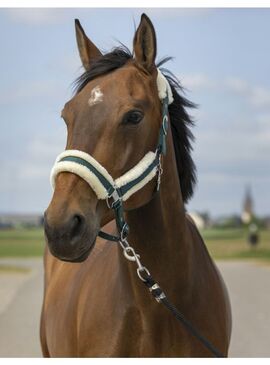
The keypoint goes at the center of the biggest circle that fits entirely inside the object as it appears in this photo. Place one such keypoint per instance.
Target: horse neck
(158, 232)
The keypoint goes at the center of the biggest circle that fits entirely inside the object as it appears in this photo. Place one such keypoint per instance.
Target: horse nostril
(76, 225)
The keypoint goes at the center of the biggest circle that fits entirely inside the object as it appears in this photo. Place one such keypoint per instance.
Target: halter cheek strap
(119, 190)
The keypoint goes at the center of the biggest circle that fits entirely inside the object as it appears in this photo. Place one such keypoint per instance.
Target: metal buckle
(161, 295)
(116, 198)
(153, 287)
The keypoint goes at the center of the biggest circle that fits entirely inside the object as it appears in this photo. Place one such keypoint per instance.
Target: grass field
(21, 242)
(222, 244)
(232, 244)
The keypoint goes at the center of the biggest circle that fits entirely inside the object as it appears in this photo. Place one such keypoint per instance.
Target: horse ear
(88, 51)
(144, 44)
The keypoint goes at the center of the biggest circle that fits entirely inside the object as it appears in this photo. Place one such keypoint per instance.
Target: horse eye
(133, 117)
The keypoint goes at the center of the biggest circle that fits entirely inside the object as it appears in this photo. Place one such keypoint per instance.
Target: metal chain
(159, 172)
(142, 272)
(131, 255)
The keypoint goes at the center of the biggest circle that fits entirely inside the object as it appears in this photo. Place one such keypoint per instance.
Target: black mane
(180, 120)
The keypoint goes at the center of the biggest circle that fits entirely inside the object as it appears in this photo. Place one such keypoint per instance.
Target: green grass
(221, 243)
(232, 244)
(22, 242)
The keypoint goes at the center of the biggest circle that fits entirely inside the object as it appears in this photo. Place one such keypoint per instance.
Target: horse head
(115, 117)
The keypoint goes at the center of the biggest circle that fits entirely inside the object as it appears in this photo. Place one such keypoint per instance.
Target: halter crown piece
(119, 190)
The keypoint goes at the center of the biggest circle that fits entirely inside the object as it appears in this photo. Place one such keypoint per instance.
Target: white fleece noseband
(94, 182)
(82, 164)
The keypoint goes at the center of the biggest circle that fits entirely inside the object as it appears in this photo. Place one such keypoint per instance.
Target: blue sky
(222, 57)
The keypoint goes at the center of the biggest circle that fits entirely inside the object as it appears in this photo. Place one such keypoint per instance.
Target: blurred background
(221, 57)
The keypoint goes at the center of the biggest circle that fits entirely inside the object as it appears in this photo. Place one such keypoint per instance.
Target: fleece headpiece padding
(164, 88)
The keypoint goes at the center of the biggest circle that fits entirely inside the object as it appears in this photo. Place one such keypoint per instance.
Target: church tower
(247, 212)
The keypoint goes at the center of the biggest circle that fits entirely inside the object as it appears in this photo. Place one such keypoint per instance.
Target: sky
(221, 57)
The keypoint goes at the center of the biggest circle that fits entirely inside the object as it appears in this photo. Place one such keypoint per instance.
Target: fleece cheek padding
(135, 172)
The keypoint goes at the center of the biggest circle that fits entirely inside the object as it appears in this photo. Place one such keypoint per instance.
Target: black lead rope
(117, 205)
(158, 293)
(116, 195)
(160, 297)
(180, 317)
(131, 255)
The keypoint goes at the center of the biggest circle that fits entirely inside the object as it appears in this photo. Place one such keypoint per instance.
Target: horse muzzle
(70, 239)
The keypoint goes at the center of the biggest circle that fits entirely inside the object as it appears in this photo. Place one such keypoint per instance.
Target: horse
(94, 303)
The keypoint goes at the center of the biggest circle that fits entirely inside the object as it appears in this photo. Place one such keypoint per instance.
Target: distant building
(228, 221)
(20, 220)
(197, 219)
(248, 207)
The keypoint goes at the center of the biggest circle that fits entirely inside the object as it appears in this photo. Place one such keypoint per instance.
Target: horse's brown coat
(99, 308)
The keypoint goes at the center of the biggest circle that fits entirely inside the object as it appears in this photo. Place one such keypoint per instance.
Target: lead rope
(83, 164)
(130, 254)
(145, 276)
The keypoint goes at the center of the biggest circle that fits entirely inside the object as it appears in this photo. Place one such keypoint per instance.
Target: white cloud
(258, 96)
(197, 81)
(263, 120)
(237, 85)
(39, 156)
(25, 184)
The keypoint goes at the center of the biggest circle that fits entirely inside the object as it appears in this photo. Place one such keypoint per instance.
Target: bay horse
(94, 304)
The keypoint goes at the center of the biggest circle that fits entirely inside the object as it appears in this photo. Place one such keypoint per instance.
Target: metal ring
(123, 243)
(140, 269)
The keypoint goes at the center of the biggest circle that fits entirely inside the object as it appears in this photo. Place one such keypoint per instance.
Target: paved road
(21, 296)
(19, 315)
(248, 285)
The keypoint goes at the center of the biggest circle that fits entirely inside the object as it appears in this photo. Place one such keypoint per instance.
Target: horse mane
(181, 122)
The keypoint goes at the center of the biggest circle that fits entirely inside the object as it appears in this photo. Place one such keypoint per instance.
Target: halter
(119, 190)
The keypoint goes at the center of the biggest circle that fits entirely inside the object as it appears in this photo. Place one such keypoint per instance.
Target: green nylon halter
(116, 193)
